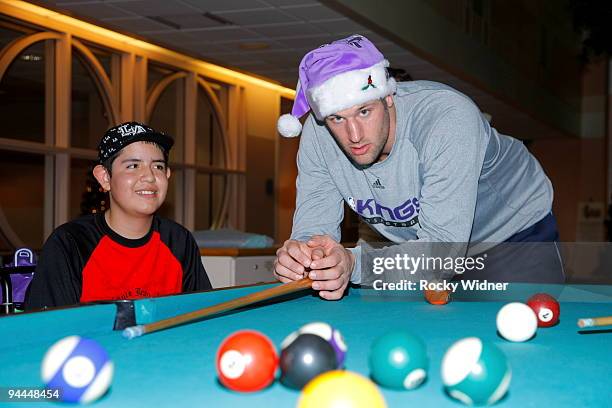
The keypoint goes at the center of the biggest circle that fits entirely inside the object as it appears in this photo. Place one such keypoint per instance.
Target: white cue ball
(516, 322)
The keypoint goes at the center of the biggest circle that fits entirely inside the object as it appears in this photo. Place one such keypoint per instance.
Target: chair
(15, 278)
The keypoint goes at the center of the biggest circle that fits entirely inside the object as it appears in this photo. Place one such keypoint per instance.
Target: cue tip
(582, 323)
(133, 331)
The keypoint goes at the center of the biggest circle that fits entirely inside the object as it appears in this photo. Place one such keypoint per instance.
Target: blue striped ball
(79, 368)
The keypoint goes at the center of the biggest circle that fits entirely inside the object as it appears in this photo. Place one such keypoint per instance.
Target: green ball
(475, 372)
(398, 360)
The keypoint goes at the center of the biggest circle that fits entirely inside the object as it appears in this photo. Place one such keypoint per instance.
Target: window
(22, 197)
(104, 57)
(86, 195)
(211, 151)
(22, 96)
(8, 34)
(210, 142)
(46, 161)
(166, 115)
(155, 73)
(89, 118)
(210, 189)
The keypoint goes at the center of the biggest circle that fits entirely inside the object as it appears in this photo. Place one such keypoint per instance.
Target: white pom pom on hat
(288, 125)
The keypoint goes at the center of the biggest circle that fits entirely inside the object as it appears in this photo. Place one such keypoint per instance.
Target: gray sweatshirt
(450, 177)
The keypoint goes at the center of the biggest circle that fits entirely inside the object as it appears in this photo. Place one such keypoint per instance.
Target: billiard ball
(246, 361)
(307, 356)
(437, 297)
(79, 368)
(516, 322)
(546, 308)
(325, 331)
(341, 389)
(398, 359)
(475, 372)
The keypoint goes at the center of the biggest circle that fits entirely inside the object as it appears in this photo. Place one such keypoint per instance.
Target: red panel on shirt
(117, 272)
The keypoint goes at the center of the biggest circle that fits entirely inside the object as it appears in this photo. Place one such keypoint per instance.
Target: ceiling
(224, 30)
(229, 32)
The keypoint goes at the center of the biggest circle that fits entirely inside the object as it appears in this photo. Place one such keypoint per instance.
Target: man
(416, 160)
(127, 252)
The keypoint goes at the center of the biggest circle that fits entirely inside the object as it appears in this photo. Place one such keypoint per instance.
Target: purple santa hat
(335, 77)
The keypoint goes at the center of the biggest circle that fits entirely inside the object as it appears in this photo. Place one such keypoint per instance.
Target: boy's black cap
(117, 137)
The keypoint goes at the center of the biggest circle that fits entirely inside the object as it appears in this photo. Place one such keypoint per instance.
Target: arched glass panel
(210, 189)
(166, 116)
(22, 96)
(105, 57)
(22, 190)
(7, 36)
(89, 119)
(85, 194)
(210, 145)
(156, 73)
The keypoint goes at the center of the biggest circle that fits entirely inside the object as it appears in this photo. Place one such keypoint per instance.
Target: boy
(126, 252)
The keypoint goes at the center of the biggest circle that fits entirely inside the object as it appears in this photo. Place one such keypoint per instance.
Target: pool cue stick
(279, 290)
(595, 321)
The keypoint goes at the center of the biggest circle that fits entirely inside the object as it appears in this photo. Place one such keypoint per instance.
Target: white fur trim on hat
(288, 125)
(347, 89)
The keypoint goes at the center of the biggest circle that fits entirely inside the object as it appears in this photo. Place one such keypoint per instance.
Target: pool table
(561, 366)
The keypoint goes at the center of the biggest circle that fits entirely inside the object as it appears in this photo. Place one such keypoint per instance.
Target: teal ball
(398, 360)
(475, 372)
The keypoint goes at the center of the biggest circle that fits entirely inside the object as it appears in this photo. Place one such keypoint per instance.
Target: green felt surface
(560, 367)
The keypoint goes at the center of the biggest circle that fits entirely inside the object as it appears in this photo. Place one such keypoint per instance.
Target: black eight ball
(306, 357)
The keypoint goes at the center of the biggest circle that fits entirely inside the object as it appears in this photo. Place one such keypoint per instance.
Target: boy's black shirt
(85, 260)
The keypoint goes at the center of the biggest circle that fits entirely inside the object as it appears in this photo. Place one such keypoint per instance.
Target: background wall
(518, 60)
(63, 82)
(262, 110)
